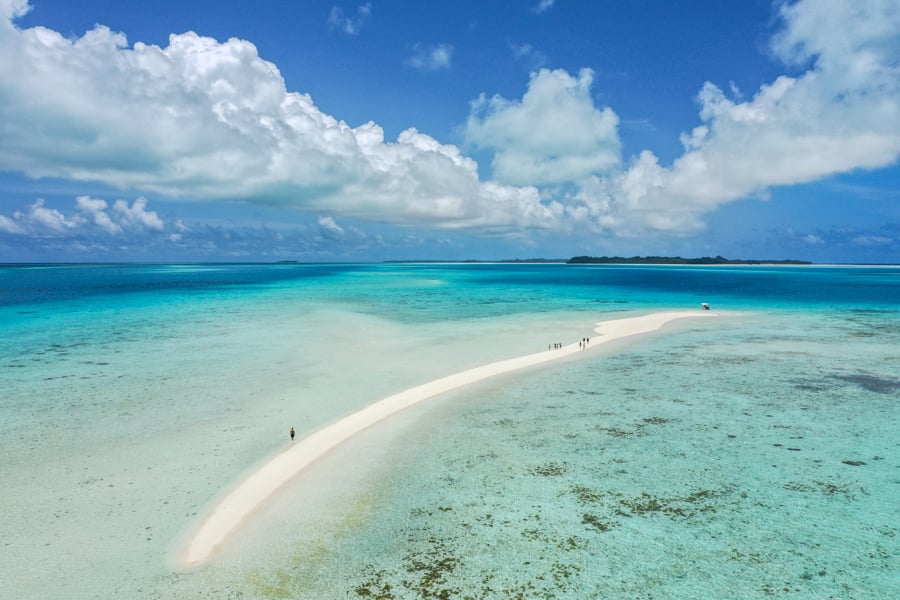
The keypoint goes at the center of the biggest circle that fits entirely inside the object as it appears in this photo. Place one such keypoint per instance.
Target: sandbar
(253, 491)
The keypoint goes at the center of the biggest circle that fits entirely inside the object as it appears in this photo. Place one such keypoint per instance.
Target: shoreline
(207, 538)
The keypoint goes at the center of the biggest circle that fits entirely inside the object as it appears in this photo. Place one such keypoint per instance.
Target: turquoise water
(749, 456)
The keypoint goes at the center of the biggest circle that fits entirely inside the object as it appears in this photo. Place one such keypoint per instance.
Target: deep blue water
(439, 289)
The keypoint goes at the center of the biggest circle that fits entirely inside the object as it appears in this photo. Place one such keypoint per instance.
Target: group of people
(582, 344)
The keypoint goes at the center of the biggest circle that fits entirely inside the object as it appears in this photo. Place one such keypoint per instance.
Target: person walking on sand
(292, 434)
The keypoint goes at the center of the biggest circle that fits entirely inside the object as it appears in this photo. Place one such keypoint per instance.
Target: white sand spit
(255, 489)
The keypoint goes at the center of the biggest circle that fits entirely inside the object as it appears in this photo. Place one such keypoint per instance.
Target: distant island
(676, 260)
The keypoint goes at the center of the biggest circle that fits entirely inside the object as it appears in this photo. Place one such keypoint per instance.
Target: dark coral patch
(872, 383)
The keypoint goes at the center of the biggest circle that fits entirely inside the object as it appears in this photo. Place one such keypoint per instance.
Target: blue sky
(382, 130)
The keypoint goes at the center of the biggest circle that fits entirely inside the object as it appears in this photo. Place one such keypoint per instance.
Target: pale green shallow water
(749, 456)
(671, 469)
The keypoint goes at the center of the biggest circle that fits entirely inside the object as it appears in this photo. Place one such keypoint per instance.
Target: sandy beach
(238, 504)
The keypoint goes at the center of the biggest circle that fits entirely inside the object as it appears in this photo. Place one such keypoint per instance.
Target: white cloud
(351, 25)
(136, 216)
(841, 114)
(328, 224)
(41, 221)
(872, 240)
(813, 239)
(528, 53)
(544, 6)
(10, 9)
(90, 218)
(555, 134)
(431, 58)
(97, 210)
(9, 226)
(41, 232)
(223, 128)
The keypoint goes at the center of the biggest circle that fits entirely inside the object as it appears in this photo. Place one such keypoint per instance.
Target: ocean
(754, 455)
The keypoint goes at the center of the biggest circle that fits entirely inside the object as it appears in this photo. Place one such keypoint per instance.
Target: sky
(449, 130)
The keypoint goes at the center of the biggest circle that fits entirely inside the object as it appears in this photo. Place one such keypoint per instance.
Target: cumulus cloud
(328, 224)
(9, 226)
(39, 220)
(203, 119)
(873, 240)
(544, 6)
(846, 241)
(431, 58)
(555, 134)
(90, 218)
(529, 54)
(224, 127)
(813, 239)
(96, 211)
(136, 216)
(351, 25)
(842, 114)
(94, 229)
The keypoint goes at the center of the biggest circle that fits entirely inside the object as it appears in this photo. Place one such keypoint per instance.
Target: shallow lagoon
(752, 456)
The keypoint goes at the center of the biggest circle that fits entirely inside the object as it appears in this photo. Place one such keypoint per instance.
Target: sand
(228, 514)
